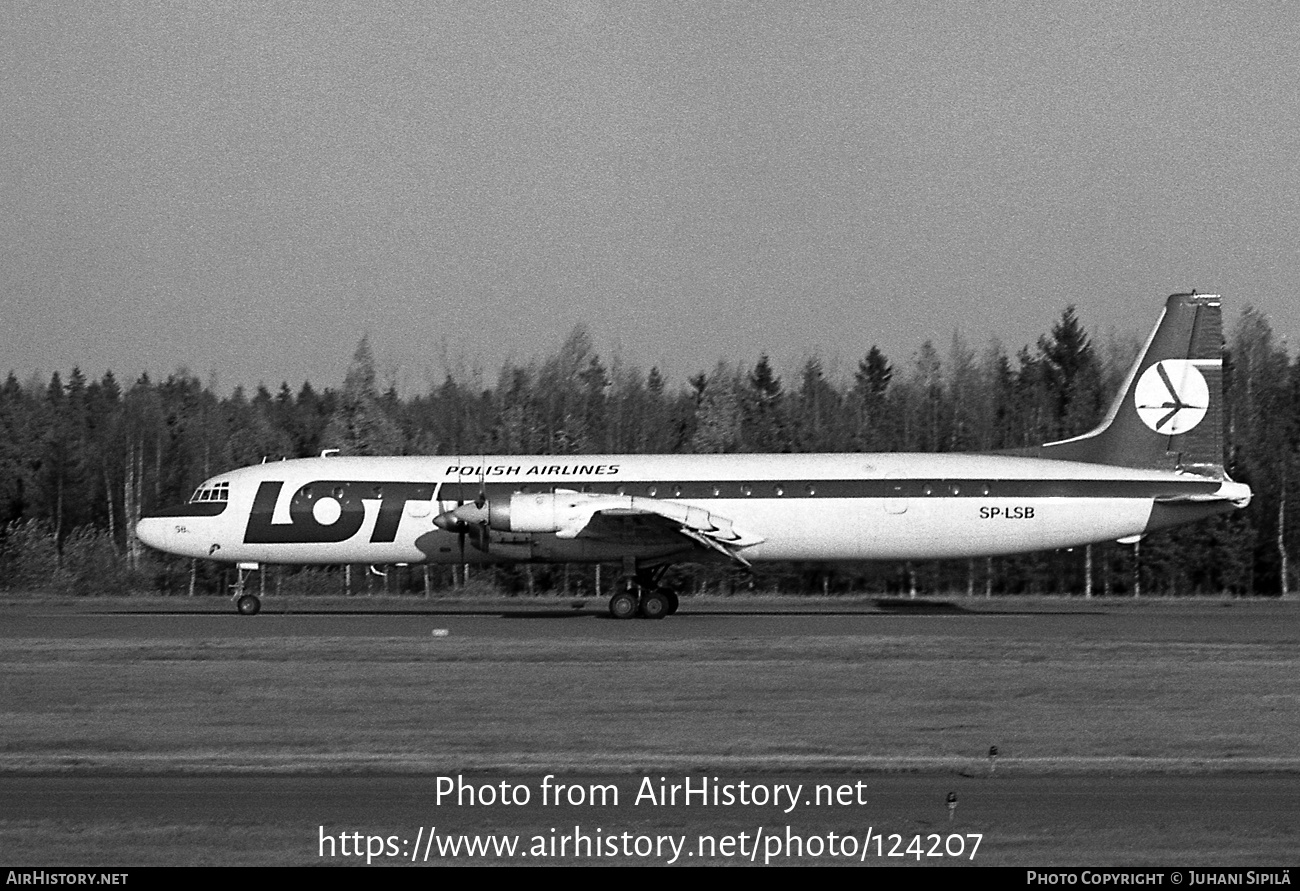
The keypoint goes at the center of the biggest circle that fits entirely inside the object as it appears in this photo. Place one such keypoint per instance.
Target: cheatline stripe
(857, 488)
(698, 490)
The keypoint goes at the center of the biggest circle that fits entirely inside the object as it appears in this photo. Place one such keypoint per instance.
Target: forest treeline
(81, 459)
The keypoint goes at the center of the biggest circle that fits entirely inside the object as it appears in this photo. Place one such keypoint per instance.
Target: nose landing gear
(245, 604)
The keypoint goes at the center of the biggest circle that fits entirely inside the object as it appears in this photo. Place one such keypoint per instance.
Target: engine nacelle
(566, 514)
(541, 512)
(563, 514)
(560, 513)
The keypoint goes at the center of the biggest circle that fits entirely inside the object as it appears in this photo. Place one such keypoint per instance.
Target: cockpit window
(215, 492)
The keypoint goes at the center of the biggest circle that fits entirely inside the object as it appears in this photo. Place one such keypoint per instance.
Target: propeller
(454, 520)
(479, 500)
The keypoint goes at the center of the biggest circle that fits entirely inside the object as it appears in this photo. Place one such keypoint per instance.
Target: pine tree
(19, 451)
(359, 424)
(820, 419)
(874, 428)
(1071, 376)
(764, 427)
(720, 416)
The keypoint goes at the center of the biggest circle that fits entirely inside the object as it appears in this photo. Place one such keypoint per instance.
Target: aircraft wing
(666, 522)
(619, 519)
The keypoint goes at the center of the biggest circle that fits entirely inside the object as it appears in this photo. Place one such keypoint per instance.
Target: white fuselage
(837, 507)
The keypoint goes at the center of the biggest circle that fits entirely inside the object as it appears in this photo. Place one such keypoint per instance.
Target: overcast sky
(244, 189)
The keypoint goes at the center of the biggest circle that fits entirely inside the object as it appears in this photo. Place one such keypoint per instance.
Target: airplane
(1154, 461)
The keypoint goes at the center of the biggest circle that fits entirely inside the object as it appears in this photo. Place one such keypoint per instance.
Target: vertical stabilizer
(1169, 412)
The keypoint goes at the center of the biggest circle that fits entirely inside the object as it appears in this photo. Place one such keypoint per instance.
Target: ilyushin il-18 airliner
(1156, 460)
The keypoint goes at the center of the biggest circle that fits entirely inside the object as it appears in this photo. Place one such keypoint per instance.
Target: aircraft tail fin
(1169, 412)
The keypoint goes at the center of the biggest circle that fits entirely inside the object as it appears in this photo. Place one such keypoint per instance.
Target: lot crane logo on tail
(1172, 396)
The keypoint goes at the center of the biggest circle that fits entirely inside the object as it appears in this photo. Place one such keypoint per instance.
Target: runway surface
(68, 815)
(1203, 621)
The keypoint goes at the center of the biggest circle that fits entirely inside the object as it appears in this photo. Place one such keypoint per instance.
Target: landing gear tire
(671, 595)
(623, 605)
(655, 605)
(248, 605)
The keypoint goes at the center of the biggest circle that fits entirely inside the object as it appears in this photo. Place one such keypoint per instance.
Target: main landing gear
(643, 596)
(245, 604)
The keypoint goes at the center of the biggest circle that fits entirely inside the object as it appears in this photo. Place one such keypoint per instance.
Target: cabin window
(338, 492)
(717, 491)
(956, 489)
(652, 491)
(745, 489)
(928, 490)
(779, 490)
(677, 491)
(810, 489)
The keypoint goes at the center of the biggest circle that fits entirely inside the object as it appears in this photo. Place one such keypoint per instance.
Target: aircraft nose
(153, 532)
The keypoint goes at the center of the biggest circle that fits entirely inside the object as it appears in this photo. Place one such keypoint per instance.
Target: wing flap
(650, 518)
